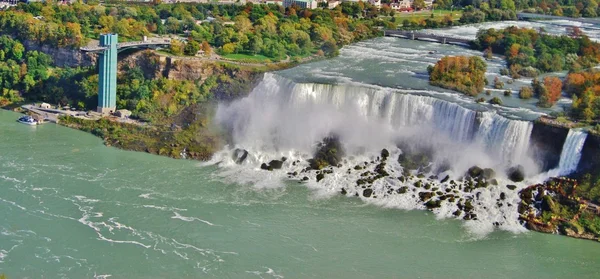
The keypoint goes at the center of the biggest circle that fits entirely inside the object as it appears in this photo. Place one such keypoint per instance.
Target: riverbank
(557, 207)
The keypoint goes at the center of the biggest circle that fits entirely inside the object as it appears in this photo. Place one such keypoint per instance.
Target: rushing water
(74, 208)
(571, 153)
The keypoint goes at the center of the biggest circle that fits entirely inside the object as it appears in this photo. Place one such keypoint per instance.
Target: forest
(269, 30)
(530, 52)
(584, 89)
(460, 73)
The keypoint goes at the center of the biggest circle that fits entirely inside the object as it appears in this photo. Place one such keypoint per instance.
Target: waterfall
(507, 138)
(280, 114)
(570, 154)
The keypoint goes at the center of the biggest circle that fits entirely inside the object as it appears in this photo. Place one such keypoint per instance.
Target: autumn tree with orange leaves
(460, 73)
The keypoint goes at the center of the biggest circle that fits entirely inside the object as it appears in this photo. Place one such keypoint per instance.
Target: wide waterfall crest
(280, 114)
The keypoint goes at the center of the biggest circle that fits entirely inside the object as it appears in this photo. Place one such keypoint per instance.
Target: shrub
(495, 101)
(526, 92)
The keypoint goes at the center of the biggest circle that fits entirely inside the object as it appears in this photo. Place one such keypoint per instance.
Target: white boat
(28, 120)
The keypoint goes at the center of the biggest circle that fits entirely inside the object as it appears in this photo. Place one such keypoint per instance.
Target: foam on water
(282, 118)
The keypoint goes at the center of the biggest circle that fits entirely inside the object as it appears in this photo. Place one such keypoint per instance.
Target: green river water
(74, 208)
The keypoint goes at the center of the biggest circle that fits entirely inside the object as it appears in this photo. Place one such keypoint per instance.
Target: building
(107, 78)
(305, 4)
(275, 2)
(401, 5)
(332, 4)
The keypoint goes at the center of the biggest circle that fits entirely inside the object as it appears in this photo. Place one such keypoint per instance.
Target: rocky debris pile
(554, 207)
(273, 164)
(383, 178)
(329, 153)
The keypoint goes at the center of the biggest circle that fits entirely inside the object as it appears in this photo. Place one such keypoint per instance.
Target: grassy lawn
(247, 57)
(456, 14)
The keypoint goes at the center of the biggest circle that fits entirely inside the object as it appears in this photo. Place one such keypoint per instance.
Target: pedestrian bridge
(154, 43)
(422, 36)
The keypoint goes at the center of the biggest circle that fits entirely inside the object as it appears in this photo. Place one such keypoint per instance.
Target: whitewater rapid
(282, 119)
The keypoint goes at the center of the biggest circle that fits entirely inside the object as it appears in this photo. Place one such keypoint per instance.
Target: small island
(460, 73)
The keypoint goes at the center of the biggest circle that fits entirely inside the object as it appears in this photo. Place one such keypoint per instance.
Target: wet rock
(445, 179)
(367, 193)
(516, 173)
(522, 208)
(511, 187)
(283, 159)
(548, 204)
(264, 166)
(475, 171)
(385, 154)
(488, 173)
(357, 167)
(457, 213)
(494, 182)
(402, 190)
(344, 191)
(329, 152)
(305, 178)
(468, 207)
(276, 164)
(402, 179)
(502, 196)
(431, 204)
(320, 177)
(239, 155)
(425, 195)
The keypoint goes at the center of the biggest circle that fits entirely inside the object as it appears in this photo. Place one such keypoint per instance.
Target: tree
(176, 47)
(419, 4)
(191, 48)
(206, 48)
(228, 48)
(107, 23)
(526, 92)
(330, 49)
(553, 90)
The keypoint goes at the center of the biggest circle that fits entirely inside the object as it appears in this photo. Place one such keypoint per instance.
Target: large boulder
(475, 171)
(489, 173)
(367, 193)
(329, 152)
(385, 154)
(239, 155)
(516, 173)
(276, 164)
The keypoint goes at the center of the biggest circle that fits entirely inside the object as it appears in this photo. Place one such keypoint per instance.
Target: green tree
(418, 4)
(191, 48)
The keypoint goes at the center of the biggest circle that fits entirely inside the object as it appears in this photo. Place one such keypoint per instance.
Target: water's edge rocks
(554, 207)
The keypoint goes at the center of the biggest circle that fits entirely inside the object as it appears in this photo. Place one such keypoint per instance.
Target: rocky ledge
(554, 207)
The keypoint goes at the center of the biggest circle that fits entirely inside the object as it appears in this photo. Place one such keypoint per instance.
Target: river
(74, 208)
